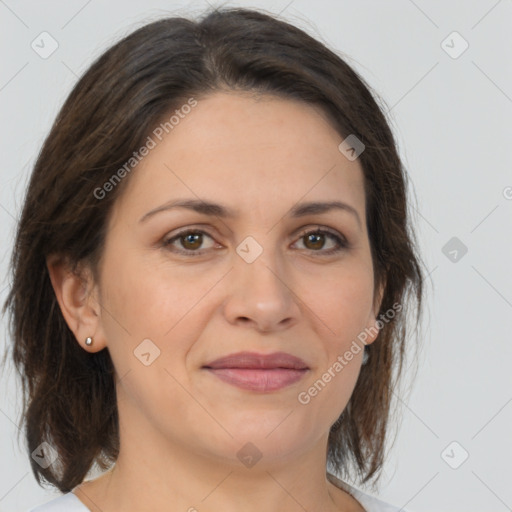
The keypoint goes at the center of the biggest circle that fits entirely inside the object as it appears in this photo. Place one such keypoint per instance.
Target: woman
(211, 274)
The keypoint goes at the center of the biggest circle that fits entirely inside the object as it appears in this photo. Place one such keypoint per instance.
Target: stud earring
(88, 341)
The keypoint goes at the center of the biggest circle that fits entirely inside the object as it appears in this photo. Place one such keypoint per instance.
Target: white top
(368, 502)
(66, 503)
(70, 503)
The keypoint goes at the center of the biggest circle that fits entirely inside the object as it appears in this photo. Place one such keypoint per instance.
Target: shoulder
(66, 503)
(368, 502)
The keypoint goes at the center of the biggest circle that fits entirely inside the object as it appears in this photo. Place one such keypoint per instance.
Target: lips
(251, 360)
(258, 372)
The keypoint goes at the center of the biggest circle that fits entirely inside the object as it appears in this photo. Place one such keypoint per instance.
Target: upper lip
(253, 360)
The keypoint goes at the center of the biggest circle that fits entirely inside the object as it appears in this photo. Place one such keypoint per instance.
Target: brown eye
(315, 241)
(190, 242)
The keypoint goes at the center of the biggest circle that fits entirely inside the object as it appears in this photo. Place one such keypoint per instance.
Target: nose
(261, 294)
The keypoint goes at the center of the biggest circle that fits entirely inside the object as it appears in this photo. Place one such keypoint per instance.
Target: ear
(76, 295)
(371, 329)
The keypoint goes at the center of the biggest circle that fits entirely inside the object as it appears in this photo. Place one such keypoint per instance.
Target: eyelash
(340, 241)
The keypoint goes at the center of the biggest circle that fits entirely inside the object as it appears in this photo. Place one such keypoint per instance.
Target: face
(181, 288)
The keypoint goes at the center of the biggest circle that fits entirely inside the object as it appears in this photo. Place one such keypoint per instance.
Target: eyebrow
(219, 210)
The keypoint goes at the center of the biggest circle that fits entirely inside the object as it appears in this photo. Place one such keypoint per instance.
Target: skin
(180, 426)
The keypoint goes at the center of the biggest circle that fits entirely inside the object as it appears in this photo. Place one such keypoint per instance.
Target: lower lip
(263, 380)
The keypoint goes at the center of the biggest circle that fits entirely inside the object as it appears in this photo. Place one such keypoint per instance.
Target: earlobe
(79, 309)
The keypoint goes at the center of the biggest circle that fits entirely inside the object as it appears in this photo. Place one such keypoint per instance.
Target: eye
(191, 242)
(315, 241)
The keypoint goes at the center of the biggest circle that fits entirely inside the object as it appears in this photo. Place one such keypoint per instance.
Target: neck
(154, 472)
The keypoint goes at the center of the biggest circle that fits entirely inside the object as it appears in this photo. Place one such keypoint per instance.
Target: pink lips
(258, 372)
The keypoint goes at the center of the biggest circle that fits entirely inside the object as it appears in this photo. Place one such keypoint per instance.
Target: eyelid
(339, 238)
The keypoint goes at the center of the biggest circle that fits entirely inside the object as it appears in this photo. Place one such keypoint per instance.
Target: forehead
(248, 151)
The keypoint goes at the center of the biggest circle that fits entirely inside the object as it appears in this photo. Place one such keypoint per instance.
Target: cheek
(143, 300)
(343, 308)
(344, 302)
(346, 312)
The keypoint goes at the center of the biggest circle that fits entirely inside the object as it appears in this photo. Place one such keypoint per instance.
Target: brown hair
(69, 394)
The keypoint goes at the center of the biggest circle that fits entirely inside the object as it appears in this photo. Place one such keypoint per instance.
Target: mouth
(258, 372)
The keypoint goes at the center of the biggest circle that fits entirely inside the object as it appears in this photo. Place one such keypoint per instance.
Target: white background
(451, 117)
